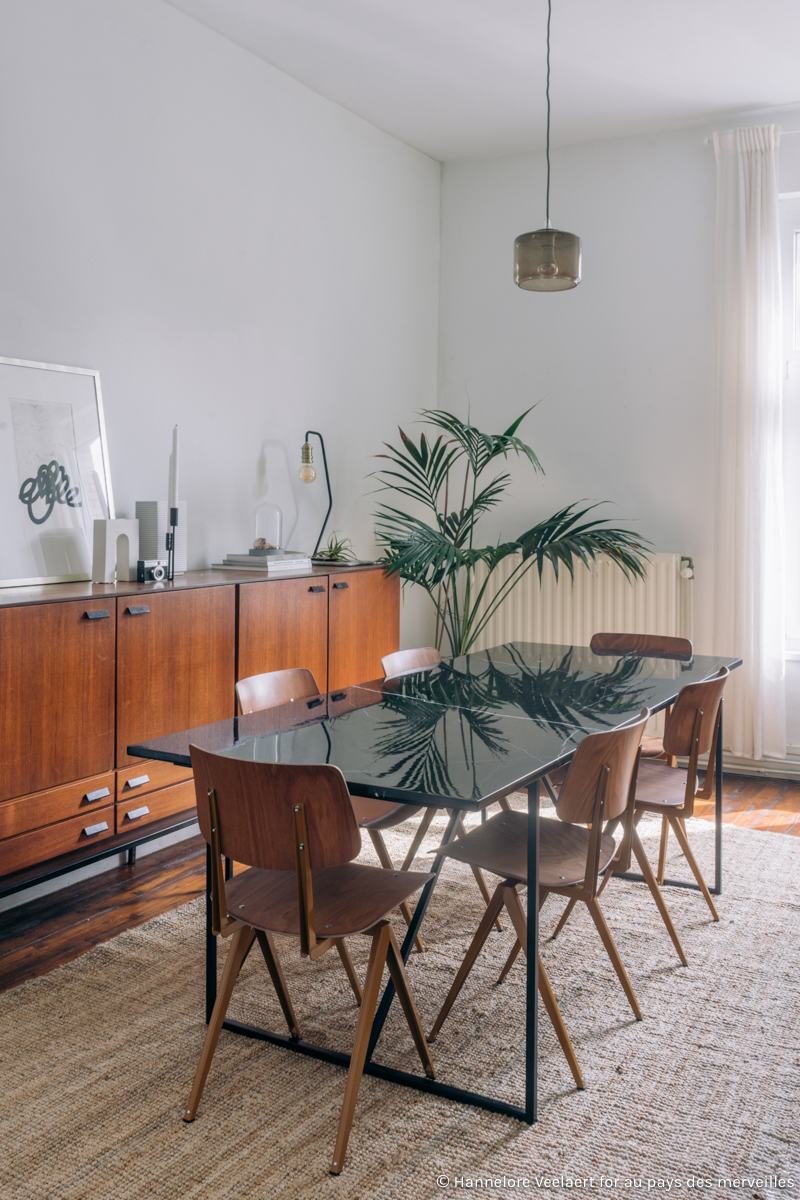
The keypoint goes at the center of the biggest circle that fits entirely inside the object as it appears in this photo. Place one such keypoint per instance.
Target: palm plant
(440, 555)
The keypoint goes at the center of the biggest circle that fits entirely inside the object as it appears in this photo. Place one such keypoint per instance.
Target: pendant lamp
(547, 260)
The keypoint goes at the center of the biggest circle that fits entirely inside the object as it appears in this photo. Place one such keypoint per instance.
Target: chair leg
(512, 958)
(662, 851)
(506, 807)
(683, 842)
(650, 880)
(422, 829)
(554, 1013)
(520, 923)
(372, 986)
(515, 949)
(481, 934)
(397, 971)
(565, 916)
(267, 944)
(476, 871)
(613, 954)
(347, 963)
(239, 949)
(388, 865)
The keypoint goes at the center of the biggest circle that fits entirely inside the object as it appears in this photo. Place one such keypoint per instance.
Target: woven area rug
(701, 1097)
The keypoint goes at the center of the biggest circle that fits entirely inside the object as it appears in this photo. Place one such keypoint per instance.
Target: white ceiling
(465, 78)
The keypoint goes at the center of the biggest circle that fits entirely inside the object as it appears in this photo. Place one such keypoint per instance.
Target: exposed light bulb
(306, 474)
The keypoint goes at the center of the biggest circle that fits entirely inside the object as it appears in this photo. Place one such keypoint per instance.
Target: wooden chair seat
(659, 787)
(501, 846)
(381, 814)
(348, 899)
(652, 747)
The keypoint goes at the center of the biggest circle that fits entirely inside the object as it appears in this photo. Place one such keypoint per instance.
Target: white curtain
(749, 541)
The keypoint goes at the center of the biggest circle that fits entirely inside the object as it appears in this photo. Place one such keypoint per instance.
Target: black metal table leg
(211, 946)
(718, 810)
(411, 933)
(532, 954)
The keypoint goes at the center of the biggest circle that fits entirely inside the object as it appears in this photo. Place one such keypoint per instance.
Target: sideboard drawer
(149, 776)
(37, 846)
(56, 804)
(141, 810)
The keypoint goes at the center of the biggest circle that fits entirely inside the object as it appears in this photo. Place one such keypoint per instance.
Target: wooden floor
(40, 935)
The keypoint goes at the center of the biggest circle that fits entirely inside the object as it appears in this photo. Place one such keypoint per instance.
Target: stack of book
(284, 563)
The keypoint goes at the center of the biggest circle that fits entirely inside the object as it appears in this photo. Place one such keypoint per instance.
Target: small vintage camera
(151, 570)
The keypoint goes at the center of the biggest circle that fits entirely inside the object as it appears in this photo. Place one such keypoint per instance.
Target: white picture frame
(54, 471)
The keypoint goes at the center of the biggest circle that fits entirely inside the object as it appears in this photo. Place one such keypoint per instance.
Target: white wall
(233, 252)
(621, 367)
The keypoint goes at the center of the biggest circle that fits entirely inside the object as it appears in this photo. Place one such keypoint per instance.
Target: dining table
(456, 737)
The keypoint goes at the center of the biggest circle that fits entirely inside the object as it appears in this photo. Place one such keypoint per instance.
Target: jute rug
(701, 1097)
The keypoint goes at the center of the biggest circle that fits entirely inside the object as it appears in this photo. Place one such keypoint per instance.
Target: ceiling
(465, 78)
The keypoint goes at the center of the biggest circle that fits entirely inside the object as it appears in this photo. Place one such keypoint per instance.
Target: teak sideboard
(88, 669)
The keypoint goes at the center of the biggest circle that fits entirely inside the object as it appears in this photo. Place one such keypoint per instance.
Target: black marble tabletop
(460, 735)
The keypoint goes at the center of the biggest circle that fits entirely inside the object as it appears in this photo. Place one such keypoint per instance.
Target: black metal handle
(319, 588)
(96, 614)
(137, 610)
(339, 696)
(315, 703)
(341, 585)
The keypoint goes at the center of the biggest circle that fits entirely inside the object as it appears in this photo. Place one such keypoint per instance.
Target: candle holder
(173, 524)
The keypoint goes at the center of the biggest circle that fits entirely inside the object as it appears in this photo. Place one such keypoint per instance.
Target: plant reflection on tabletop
(466, 701)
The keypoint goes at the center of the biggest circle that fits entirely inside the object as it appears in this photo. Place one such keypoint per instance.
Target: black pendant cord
(547, 93)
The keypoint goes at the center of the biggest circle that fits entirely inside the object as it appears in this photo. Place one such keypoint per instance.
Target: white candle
(173, 471)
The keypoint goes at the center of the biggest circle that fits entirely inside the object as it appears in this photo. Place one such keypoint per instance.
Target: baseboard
(765, 768)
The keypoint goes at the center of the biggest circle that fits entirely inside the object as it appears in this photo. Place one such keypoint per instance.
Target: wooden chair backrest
(644, 645)
(402, 662)
(275, 687)
(256, 803)
(617, 750)
(702, 697)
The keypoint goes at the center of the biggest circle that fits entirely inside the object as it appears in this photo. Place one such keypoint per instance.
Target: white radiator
(600, 600)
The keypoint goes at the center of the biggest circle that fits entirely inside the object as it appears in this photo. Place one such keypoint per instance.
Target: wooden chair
(294, 825)
(403, 662)
(692, 730)
(599, 788)
(283, 687)
(644, 645)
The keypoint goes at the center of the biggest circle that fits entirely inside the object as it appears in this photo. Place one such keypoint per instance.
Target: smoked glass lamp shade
(547, 260)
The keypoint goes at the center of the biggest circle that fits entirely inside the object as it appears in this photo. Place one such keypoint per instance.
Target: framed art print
(54, 474)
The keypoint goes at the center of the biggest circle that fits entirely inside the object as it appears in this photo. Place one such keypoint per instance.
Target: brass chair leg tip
(431, 1039)
(430, 1073)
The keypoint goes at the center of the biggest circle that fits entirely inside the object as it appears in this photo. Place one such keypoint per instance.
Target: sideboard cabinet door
(175, 663)
(364, 624)
(56, 694)
(283, 623)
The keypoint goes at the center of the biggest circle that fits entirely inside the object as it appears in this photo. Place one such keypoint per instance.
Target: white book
(295, 568)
